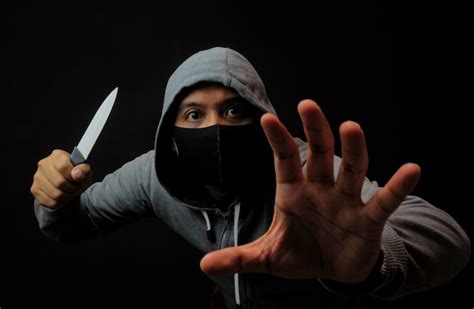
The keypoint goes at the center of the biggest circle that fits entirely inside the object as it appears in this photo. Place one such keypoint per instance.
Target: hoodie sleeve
(122, 197)
(422, 247)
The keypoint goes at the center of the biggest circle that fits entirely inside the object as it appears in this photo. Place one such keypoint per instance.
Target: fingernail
(77, 174)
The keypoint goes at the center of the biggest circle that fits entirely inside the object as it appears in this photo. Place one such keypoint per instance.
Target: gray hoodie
(422, 245)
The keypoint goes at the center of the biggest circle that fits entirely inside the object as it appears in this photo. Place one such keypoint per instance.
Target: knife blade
(82, 150)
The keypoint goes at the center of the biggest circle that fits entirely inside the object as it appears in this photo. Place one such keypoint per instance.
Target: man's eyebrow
(236, 99)
(188, 104)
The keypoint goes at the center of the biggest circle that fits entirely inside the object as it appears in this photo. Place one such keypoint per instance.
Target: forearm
(120, 198)
(69, 222)
(435, 248)
(422, 247)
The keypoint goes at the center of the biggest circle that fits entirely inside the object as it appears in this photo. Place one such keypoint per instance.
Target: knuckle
(37, 181)
(319, 148)
(33, 190)
(396, 195)
(41, 162)
(351, 169)
(56, 152)
(36, 177)
(62, 164)
(381, 204)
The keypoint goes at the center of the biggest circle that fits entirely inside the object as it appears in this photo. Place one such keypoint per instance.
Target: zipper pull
(219, 212)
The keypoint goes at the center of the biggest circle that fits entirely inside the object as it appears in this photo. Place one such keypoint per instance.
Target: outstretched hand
(321, 228)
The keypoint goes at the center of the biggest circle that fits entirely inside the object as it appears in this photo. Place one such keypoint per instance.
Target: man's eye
(234, 112)
(193, 115)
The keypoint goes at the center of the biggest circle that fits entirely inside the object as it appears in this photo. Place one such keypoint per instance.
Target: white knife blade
(82, 150)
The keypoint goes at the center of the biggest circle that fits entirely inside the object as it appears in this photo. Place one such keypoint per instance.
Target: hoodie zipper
(210, 230)
(225, 234)
(224, 215)
(224, 243)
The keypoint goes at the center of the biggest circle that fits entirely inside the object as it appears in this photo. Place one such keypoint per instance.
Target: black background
(397, 71)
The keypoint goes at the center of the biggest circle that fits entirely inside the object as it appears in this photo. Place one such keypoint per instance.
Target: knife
(82, 150)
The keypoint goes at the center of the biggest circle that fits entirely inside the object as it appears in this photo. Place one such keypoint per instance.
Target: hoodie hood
(216, 65)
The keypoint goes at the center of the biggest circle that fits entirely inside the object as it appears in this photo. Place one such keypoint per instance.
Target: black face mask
(234, 157)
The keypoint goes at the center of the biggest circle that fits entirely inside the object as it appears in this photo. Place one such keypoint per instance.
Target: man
(299, 230)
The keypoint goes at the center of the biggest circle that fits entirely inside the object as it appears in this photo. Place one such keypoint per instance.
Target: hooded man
(298, 226)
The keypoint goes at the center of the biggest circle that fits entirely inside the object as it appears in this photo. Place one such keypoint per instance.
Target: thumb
(241, 259)
(81, 173)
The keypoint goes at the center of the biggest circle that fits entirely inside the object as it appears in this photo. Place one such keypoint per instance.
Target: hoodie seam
(228, 80)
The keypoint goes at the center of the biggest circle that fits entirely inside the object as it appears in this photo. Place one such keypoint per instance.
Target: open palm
(321, 228)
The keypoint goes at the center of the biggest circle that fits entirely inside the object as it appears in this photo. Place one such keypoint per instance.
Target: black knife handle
(77, 157)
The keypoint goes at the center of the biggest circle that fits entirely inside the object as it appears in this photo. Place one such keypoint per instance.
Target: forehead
(210, 94)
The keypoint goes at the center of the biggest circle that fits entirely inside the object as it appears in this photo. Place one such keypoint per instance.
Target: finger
(57, 168)
(241, 259)
(354, 159)
(56, 178)
(51, 190)
(81, 173)
(43, 199)
(285, 150)
(62, 163)
(387, 199)
(320, 142)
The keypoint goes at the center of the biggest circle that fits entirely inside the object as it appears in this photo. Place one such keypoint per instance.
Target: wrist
(371, 283)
